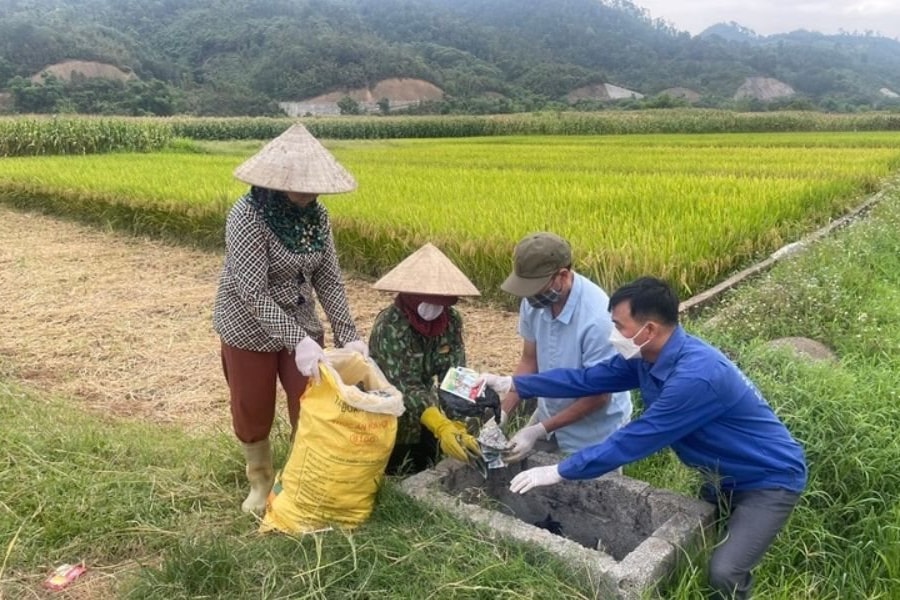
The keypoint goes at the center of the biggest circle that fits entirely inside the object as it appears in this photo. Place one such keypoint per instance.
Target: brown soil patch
(123, 325)
(66, 69)
(395, 90)
(763, 88)
(596, 91)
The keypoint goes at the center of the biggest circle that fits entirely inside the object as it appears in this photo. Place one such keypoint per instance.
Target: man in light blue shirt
(701, 405)
(564, 323)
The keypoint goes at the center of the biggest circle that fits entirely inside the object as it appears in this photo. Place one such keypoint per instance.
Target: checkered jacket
(265, 298)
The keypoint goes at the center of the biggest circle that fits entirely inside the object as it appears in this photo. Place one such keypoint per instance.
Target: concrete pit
(627, 534)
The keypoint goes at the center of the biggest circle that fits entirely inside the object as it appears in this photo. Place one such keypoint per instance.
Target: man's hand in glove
(454, 439)
(533, 478)
(522, 443)
(307, 356)
(501, 384)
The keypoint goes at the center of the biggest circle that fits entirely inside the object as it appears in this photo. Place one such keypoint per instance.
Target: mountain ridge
(245, 56)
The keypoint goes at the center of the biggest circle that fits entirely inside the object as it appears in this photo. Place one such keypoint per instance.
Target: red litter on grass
(63, 575)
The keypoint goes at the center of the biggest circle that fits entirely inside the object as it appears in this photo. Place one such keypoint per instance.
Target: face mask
(544, 299)
(547, 298)
(429, 312)
(624, 345)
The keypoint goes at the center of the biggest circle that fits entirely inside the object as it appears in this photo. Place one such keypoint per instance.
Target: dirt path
(123, 325)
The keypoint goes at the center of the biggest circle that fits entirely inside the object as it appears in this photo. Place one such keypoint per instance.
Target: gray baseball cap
(535, 260)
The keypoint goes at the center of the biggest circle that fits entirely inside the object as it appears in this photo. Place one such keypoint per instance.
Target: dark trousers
(251, 378)
(407, 459)
(752, 520)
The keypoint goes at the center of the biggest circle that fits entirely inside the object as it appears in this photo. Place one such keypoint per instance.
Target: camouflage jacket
(415, 364)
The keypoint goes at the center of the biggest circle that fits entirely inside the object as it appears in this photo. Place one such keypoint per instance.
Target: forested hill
(242, 56)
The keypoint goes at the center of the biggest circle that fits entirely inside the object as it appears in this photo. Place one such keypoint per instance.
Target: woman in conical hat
(279, 250)
(414, 342)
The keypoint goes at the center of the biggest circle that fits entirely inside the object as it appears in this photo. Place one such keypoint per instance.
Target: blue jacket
(696, 401)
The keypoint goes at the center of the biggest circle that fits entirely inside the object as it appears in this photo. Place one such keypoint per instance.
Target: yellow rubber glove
(467, 440)
(454, 439)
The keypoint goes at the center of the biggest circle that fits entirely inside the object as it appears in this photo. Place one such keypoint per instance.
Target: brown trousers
(251, 378)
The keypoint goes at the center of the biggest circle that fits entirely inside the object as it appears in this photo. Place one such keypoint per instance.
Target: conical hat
(427, 271)
(295, 161)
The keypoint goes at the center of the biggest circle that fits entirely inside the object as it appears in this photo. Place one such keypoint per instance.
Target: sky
(766, 17)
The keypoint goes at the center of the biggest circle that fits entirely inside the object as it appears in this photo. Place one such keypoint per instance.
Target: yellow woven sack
(346, 431)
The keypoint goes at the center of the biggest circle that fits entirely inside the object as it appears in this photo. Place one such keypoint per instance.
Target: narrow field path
(123, 325)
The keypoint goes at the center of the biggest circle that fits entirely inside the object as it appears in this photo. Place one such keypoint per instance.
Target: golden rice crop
(688, 208)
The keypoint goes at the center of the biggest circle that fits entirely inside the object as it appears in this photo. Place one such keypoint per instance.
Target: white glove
(504, 418)
(307, 356)
(535, 477)
(499, 383)
(358, 346)
(523, 442)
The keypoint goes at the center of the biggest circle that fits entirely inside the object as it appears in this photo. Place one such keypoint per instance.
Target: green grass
(842, 541)
(110, 493)
(115, 494)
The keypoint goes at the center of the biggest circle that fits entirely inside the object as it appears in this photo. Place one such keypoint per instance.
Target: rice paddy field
(691, 208)
(153, 509)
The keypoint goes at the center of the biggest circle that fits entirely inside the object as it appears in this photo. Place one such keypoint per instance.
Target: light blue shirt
(696, 401)
(578, 337)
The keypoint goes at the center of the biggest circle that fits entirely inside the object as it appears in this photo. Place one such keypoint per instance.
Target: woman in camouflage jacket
(415, 341)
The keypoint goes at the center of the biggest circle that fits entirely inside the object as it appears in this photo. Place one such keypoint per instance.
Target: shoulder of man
(593, 294)
(589, 284)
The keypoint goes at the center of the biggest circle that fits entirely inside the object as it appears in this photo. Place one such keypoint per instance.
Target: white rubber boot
(260, 475)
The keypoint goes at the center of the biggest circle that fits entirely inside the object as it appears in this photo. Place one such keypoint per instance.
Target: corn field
(547, 123)
(86, 135)
(42, 136)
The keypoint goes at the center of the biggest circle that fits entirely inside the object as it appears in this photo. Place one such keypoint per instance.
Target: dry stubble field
(122, 325)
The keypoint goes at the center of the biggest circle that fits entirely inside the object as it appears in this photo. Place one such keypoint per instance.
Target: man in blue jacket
(699, 403)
